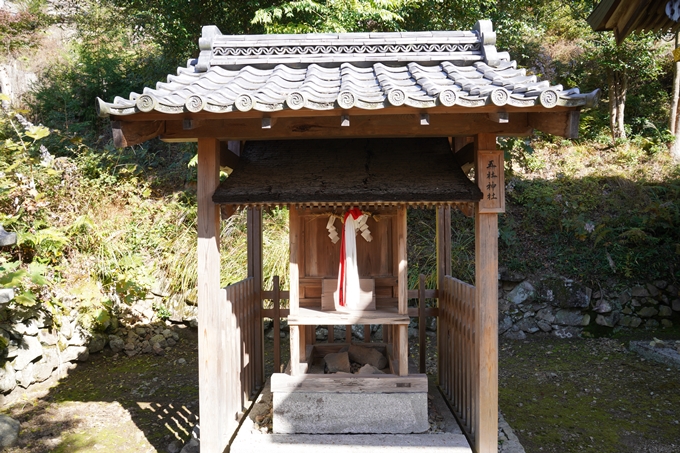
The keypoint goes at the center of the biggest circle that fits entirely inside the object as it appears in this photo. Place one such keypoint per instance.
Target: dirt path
(558, 395)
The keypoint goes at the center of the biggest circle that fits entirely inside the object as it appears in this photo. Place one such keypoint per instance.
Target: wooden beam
(406, 125)
(213, 324)
(499, 117)
(562, 124)
(133, 133)
(228, 159)
(486, 320)
(189, 124)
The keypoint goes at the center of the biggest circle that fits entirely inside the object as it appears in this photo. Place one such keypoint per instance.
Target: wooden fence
(456, 340)
(458, 362)
(245, 357)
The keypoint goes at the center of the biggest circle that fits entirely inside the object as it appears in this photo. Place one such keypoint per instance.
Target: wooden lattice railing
(458, 362)
(243, 326)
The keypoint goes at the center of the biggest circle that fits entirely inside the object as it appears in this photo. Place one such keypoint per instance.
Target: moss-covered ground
(589, 395)
(114, 403)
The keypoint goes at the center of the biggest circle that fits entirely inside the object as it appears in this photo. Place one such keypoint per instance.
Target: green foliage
(176, 24)
(595, 224)
(20, 31)
(334, 16)
(106, 60)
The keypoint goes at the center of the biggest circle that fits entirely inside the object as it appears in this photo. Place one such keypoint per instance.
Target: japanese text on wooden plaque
(491, 181)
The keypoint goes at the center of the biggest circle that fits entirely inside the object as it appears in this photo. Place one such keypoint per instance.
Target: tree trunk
(618, 88)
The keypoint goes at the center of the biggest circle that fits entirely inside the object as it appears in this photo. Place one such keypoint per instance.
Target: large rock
(6, 295)
(527, 325)
(26, 376)
(571, 318)
(9, 431)
(652, 290)
(545, 314)
(48, 336)
(607, 321)
(639, 291)
(43, 369)
(365, 356)
(7, 238)
(515, 335)
(28, 349)
(30, 327)
(73, 353)
(676, 305)
(80, 337)
(8, 380)
(337, 362)
(523, 292)
(504, 323)
(648, 312)
(369, 369)
(665, 311)
(603, 306)
(97, 343)
(563, 293)
(116, 343)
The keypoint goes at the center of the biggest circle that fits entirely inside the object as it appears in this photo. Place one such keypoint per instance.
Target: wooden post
(255, 271)
(422, 323)
(213, 371)
(489, 170)
(402, 284)
(277, 325)
(294, 284)
(443, 269)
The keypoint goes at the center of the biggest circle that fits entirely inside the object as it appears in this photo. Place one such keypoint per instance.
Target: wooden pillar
(489, 168)
(255, 271)
(294, 286)
(443, 269)
(213, 372)
(402, 283)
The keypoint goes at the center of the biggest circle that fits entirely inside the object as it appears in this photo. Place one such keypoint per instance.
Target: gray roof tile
(340, 71)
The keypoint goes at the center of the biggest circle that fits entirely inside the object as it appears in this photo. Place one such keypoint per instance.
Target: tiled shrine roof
(372, 71)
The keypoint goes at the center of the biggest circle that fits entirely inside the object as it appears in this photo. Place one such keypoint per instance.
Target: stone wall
(563, 307)
(33, 349)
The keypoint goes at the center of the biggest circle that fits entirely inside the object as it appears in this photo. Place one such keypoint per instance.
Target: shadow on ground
(115, 403)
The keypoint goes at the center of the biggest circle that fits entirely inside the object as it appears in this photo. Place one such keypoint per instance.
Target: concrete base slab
(308, 443)
(250, 438)
(337, 413)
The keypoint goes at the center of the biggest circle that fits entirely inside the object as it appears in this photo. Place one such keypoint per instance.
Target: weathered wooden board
(307, 316)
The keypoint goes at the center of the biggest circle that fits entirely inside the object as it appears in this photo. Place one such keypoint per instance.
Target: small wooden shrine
(322, 124)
